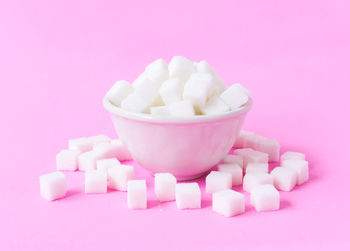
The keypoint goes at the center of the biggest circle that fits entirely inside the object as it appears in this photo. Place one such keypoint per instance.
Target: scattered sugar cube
(234, 96)
(265, 198)
(218, 181)
(181, 67)
(263, 144)
(137, 194)
(233, 159)
(284, 178)
(157, 71)
(257, 167)
(171, 91)
(164, 186)
(214, 106)
(187, 195)
(197, 89)
(87, 161)
(119, 176)
(182, 109)
(252, 180)
(160, 111)
(235, 170)
(204, 67)
(80, 144)
(228, 203)
(240, 141)
(135, 103)
(119, 91)
(122, 152)
(105, 164)
(300, 166)
(292, 155)
(106, 150)
(99, 139)
(250, 155)
(67, 160)
(53, 186)
(95, 181)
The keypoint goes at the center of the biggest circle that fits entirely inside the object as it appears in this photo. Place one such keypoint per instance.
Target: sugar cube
(122, 152)
(214, 106)
(160, 111)
(95, 181)
(67, 160)
(284, 178)
(119, 176)
(252, 180)
(235, 170)
(164, 186)
(182, 109)
(228, 203)
(218, 181)
(292, 155)
(265, 197)
(197, 89)
(187, 195)
(106, 150)
(263, 144)
(80, 144)
(204, 67)
(249, 155)
(137, 194)
(148, 91)
(240, 141)
(257, 167)
(87, 161)
(181, 67)
(99, 139)
(105, 164)
(157, 71)
(171, 91)
(233, 159)
(135, 103)
(119, 91)
(234, 96)
(139, 80)
(53, 186)
(300, 166)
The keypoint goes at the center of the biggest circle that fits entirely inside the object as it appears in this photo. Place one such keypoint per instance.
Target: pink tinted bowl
(186, 147)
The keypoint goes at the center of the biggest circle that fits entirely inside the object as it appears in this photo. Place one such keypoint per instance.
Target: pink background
(58, 58)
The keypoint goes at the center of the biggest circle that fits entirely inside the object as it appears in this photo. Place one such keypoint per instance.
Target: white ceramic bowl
(185, 147)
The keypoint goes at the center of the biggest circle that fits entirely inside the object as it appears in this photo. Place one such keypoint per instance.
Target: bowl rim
(115, 110)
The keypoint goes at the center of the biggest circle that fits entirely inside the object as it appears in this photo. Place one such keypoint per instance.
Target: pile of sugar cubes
(101, 159)
(181, 88)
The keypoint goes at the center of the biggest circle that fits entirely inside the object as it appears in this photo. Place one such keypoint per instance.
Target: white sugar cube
(87, 161)
(300, 166)
(122, 152)
(233, 159)
(181, 109)
(187, 195)
(137, 194)
(164, 186)
(67, 160)
(240, 141)
(228, 203)
(106, 150)
(148, 91)
(135, 103)
(214, 106)
(250, 155)
(284, 178)
(292, 155)
(95, 181)
(80, 144)
(265, 198)
(157, 71)
(263, 144)
(105, 164)
(235, 96)
(235, 170)
(218, 181)
(181, 67)
(171, 91)
(53, 186)
(204, 67)
(160, 111)
(257, 167)
(99, 139)
(139, 80)
(119, 176)
(119, 91)
(197, 89)
(218, 86)
(252, 180)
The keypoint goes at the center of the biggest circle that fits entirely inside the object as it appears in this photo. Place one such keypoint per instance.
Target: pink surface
(58, 58)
